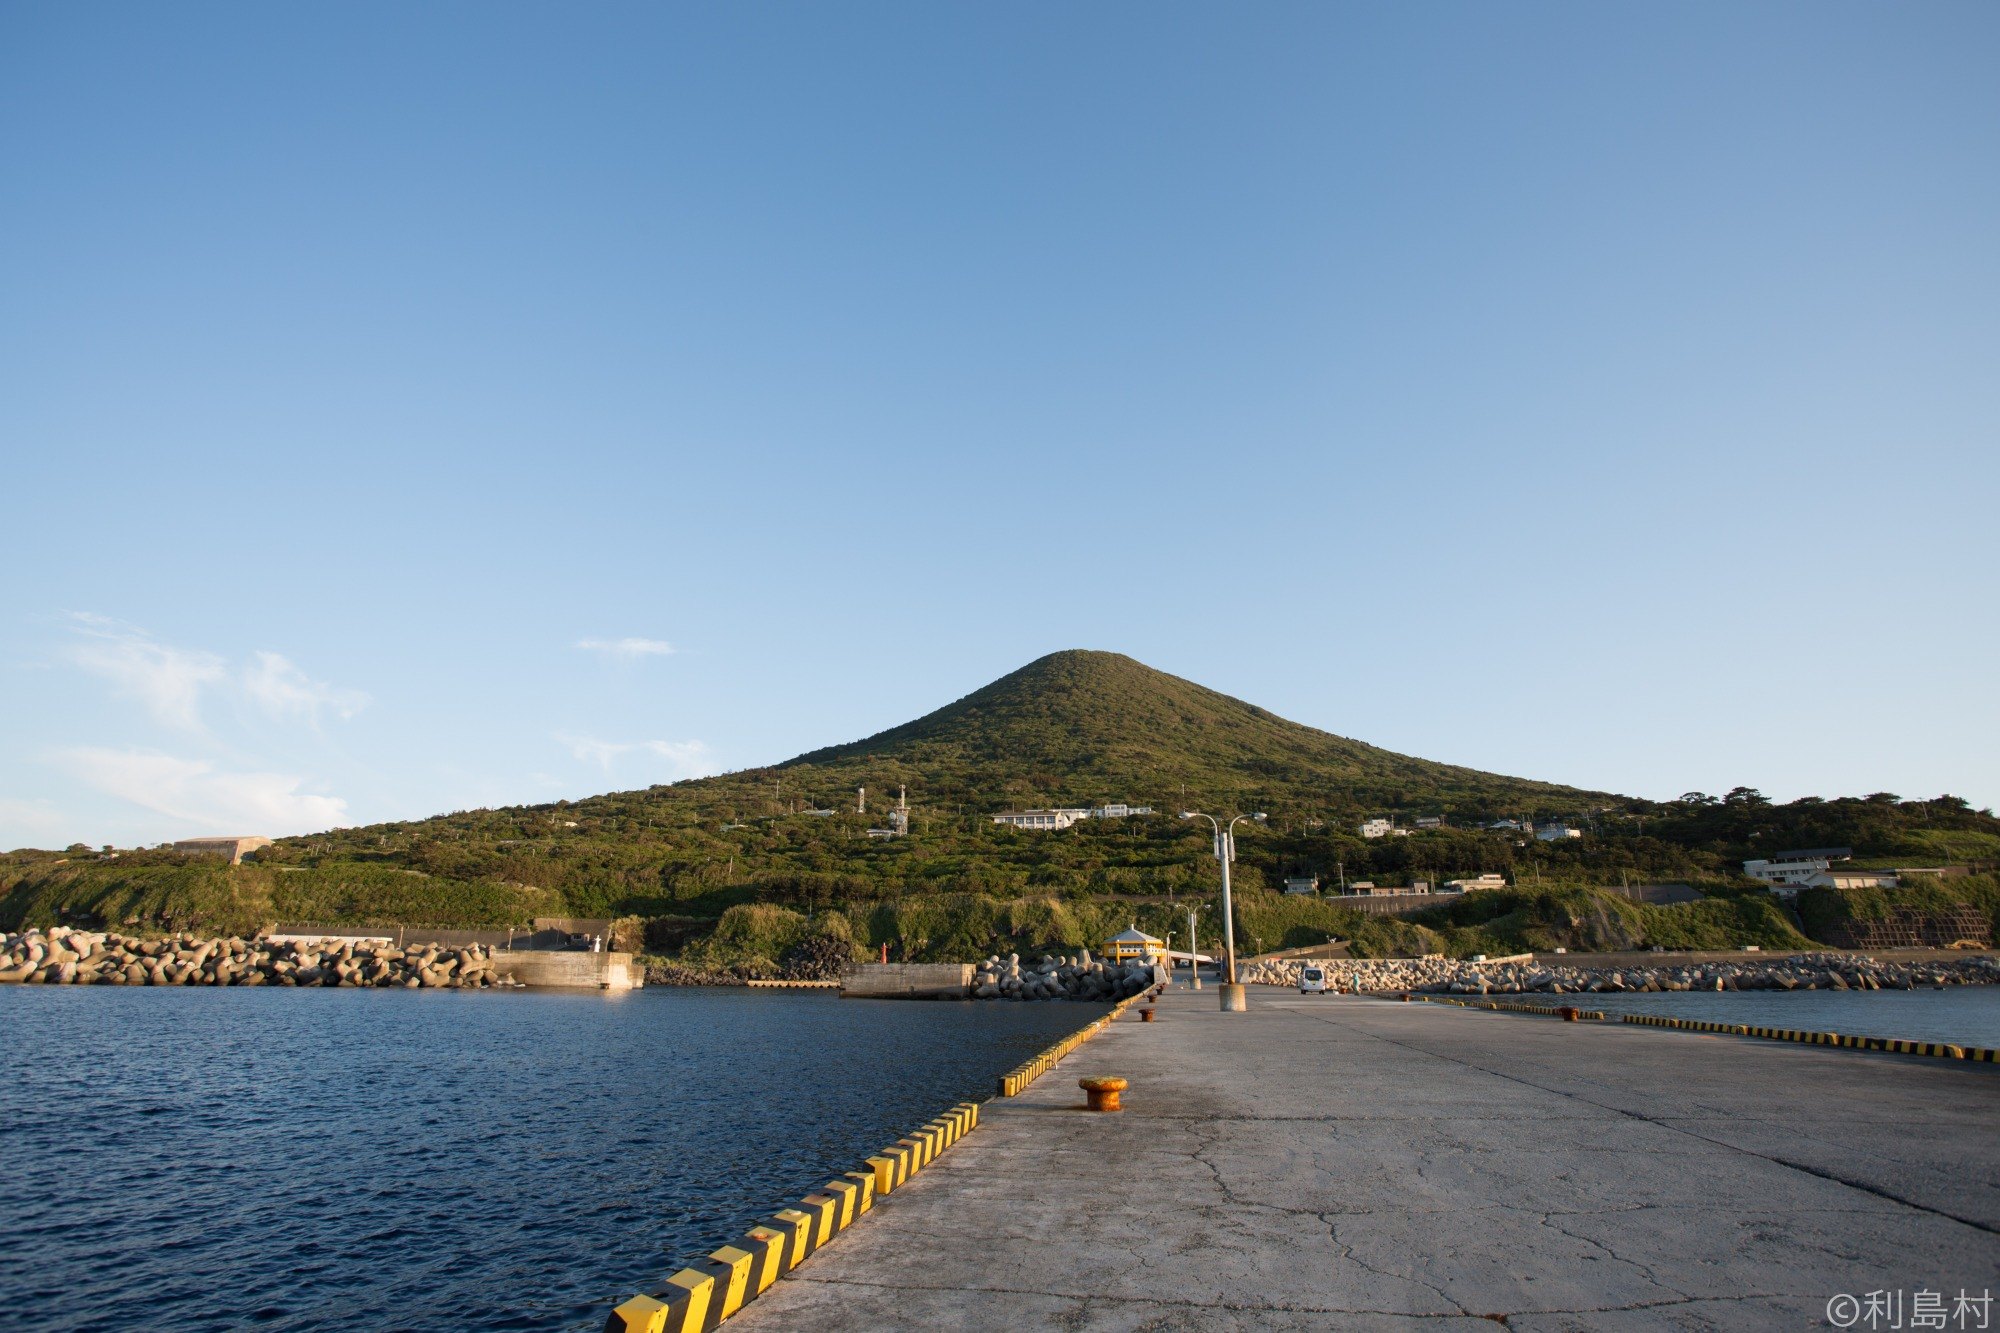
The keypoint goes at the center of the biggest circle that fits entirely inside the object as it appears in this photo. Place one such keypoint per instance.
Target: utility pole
(1233, 1000)
(1194, 954)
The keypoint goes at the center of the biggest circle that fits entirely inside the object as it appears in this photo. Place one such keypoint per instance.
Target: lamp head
(1259, 816)
(1187, 814)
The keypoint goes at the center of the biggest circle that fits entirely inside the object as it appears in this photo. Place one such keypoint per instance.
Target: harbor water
(182, 1159)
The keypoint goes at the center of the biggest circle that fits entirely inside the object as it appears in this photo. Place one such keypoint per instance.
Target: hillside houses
(1550, 830)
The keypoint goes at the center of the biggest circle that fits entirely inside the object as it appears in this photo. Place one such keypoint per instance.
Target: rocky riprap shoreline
(93, 958)
(1065, 977)
(1820, 971)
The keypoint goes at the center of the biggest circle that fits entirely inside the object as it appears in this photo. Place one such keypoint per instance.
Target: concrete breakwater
(1824, 971)
(1337, 1164)
(86, 958)
(1065, 977)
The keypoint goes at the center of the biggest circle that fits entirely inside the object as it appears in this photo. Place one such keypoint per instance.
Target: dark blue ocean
(182, 1159)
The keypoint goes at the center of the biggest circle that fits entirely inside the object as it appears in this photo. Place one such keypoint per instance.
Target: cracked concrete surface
(1328, 1162)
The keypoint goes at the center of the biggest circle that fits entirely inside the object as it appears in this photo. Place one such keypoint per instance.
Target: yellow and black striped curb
(1943, 1050)
(1016, 1081)
(1553, 1010)
(704, 1294)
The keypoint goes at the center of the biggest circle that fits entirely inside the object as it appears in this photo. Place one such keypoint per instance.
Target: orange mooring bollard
(1145, 1015)
(1569, 1014)
(1103, 1092)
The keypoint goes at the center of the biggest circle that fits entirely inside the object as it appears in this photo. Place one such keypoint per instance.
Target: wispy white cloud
(628, 648)
(684, 759)
(277, 686)
(167, 681)
(170, 682)
(201, 795)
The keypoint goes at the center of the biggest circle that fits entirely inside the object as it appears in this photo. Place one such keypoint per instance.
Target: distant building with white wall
(1556, 831)
(1377, 828)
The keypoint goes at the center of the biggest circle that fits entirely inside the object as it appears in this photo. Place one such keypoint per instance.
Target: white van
(1312, 978)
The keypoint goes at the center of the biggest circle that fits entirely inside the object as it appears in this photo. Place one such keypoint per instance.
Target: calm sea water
(291, 1159)
(1968, 1015)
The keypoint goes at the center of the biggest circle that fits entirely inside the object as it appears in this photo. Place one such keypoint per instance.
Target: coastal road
(1332, 1162)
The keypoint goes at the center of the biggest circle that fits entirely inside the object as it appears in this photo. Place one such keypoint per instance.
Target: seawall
(576, 969)
(909, 981)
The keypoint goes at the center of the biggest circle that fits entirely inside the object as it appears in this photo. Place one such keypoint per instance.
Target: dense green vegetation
(1070, 729)
(164, 891)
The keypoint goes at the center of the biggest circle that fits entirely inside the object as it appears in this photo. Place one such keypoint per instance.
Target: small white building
(1509, 826)
(1302, 884)
(1119, 811)
(1377, 828)
(1556, 831)
(1785, 874)
(1792, 869)
(1430, 821)
(1040, 819)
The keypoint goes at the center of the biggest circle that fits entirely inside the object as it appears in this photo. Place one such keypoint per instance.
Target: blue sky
(410, 408)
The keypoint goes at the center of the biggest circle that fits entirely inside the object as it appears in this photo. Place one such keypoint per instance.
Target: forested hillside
(1075, 728)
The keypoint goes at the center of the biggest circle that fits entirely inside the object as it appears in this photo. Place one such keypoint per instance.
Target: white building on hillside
(1557, 831)
(1040, 819)
(1377, 828)
(1791, 869)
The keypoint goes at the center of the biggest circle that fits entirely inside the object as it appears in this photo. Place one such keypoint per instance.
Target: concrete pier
(1328, 1162)
(918, 981)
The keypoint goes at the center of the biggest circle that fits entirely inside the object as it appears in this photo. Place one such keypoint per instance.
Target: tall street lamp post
(1233, 1000)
